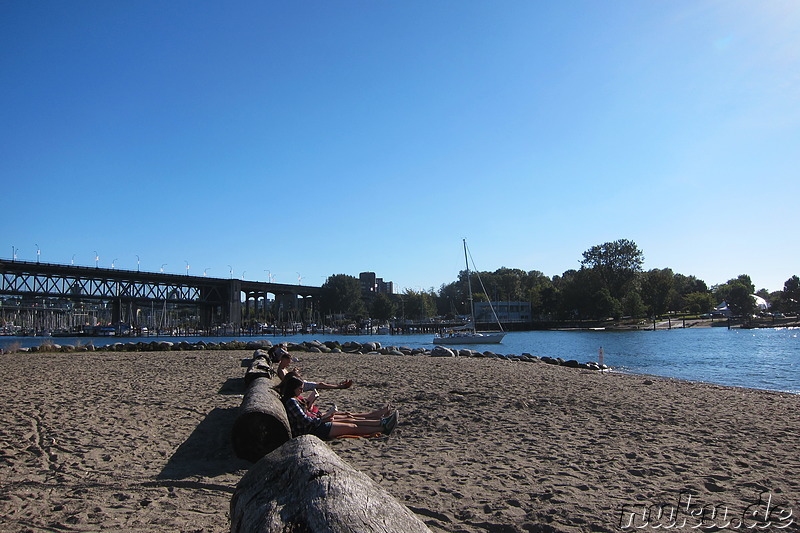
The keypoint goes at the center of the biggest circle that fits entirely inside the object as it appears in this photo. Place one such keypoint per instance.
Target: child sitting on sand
(331, 424)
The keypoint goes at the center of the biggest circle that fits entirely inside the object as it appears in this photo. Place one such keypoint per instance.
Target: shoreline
(347, 346)
(139, 441)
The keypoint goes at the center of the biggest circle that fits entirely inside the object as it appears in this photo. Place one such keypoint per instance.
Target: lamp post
(13, 253)
(230, 271)
(38, 253)
(299, 278)
(137, 263)
(72, 262)
(243, 273)
(112, 262)
(204, 271)
(96, 260)
(187, 266)
(162, 266)
(269, 276)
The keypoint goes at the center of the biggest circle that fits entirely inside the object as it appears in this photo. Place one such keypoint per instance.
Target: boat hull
(470, 338)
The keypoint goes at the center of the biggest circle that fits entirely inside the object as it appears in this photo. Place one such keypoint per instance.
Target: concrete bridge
(218, 301)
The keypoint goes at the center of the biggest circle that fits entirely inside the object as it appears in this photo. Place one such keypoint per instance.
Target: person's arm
(310, 399)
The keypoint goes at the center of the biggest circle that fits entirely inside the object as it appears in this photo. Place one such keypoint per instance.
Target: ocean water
(755, 358)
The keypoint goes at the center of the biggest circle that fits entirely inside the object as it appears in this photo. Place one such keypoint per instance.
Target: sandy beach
(139, 441)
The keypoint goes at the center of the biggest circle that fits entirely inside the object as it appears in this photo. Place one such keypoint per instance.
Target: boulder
(351, 347)
(441, 351)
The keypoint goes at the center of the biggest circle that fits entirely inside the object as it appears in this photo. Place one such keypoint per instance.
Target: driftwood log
(258, 368)
(262, 424)
(304, 486)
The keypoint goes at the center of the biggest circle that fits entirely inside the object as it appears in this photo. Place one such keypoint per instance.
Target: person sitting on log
(276, 352)
(327, 426)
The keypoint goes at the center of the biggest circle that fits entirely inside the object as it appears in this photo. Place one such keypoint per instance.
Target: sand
(140, 442)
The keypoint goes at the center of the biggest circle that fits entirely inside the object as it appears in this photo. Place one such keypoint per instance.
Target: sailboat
(467, 333)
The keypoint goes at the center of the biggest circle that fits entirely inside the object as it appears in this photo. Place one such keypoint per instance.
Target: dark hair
(288, 386)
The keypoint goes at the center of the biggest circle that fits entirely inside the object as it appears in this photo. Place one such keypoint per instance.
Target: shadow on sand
(208, 451)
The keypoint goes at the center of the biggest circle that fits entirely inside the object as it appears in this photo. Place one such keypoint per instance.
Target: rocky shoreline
(335, 347)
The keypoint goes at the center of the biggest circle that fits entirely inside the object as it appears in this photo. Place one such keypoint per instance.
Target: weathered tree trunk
(262, 424)
(304, 486)
(258, 368)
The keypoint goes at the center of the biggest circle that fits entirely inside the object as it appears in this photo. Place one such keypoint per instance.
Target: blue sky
(316, 138)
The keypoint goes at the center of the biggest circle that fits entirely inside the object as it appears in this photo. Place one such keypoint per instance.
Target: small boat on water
(467, 334)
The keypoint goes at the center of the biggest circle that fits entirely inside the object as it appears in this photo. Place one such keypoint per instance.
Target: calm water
(757, 358)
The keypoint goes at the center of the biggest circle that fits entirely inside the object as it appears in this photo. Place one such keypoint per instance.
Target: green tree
(618, 264)
(698, 302)
(449, 300)
(722, 292)
(419, 305)
(689, 284)
(605, 305)
(791, 294)
(657, 290)
(577, 290)
(341, 294)
(740, 300)
(633, 306)
(382, 308)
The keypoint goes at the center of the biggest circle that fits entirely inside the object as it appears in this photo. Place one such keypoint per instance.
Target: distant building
(372, 285)
(507, 312)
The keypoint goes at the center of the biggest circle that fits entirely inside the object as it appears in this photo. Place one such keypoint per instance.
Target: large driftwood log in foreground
(262, 424)
(304, 486)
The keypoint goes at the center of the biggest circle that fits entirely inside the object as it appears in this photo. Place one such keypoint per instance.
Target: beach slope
(141, 442)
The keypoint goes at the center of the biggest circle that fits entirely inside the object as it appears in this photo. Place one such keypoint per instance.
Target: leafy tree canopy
(617, 263)
(342, 294)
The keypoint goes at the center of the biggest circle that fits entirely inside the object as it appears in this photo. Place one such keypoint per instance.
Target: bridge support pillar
(234, 318)
(116, 312)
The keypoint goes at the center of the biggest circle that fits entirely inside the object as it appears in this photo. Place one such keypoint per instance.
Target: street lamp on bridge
(38, 253)
(230, 270)
(13, 253)
(162, 266)
(96, 260)
(137, 262)
(205, 270)
(112, 262)
(187, 266)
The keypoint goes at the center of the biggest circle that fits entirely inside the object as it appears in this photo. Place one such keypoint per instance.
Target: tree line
(610, 283)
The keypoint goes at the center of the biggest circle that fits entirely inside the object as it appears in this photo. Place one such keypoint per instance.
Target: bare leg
(362, 428)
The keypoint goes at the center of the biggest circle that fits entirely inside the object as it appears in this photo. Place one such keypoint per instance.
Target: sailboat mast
(469, 286)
